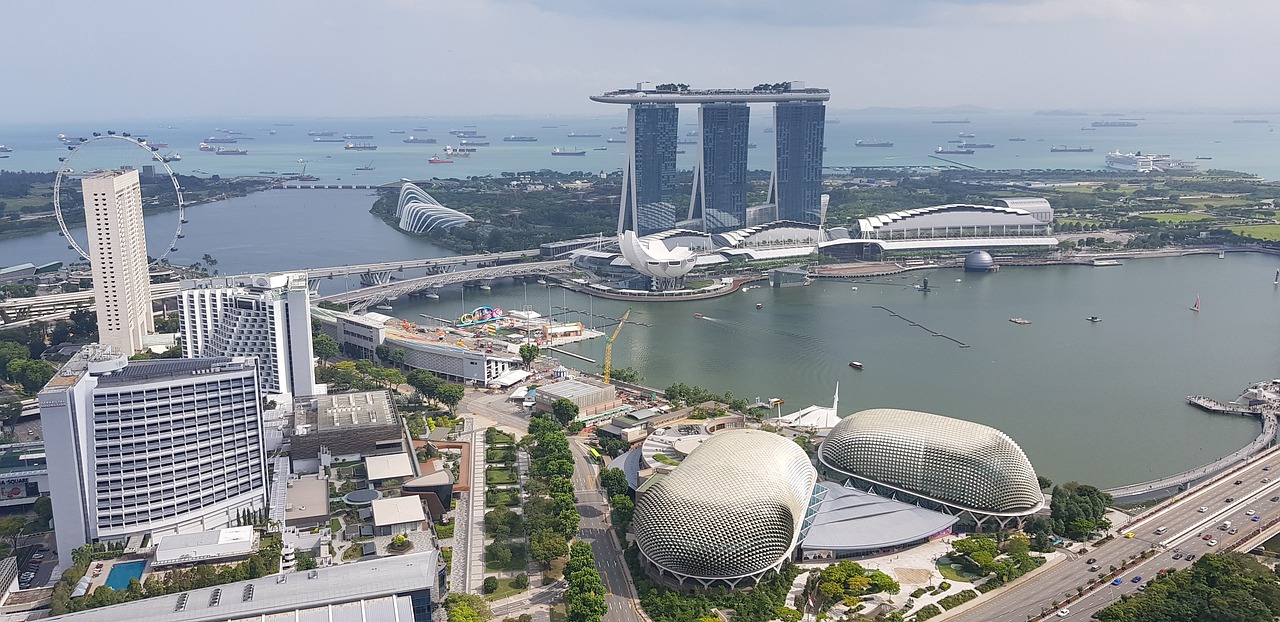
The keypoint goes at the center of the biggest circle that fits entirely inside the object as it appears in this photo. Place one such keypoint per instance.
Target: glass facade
(720, 191)
(653, 134)
(799, 127)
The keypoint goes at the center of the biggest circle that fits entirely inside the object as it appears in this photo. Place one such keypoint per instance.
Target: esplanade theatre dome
(731, 512)
(952, 465)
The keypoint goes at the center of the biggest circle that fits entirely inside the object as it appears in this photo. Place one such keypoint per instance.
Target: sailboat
(1197, 307)
(1277, 277)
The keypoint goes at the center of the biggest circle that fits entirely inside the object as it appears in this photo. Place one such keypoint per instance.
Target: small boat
(759, 305)
(1196, 308)
(1093, 318)
(1018, 320)
(486, 287)
(439, 160)
(854, 288)
(1277, 277)
(855, 365)
(383, 307)
(697, 315)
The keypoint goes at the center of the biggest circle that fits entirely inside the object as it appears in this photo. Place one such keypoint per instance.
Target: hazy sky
(90, 59)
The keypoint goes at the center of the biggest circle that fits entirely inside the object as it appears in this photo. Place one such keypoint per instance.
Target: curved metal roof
(732, 509)
(419, 212)
(961, 464)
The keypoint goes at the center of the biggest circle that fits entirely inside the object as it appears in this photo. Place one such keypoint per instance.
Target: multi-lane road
(1239, 496)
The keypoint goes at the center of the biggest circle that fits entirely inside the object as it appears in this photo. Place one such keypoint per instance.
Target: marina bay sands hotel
(718, 201)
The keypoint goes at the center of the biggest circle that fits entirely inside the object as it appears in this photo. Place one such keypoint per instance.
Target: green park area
(500, 475)
(1268, 233)
(1175, 218)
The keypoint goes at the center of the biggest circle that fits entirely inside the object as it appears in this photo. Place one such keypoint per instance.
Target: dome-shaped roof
(732, 509)
(960, 463)
(979, 261)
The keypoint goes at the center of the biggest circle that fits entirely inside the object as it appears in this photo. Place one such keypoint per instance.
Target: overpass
(362, 298)
(50, 306)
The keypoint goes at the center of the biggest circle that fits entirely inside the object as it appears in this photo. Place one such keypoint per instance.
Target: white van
(1161, 530)
(1225, 526)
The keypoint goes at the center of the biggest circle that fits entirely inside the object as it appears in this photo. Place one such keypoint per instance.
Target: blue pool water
(118, 578)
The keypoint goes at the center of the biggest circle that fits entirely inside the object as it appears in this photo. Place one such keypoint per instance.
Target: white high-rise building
(266, 316)
(118, 254)
(159, 447)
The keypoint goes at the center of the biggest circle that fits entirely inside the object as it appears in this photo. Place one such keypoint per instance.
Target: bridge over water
(361, 299)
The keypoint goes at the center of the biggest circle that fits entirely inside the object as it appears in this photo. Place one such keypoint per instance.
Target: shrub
(490, 585)
(927, 611)
(957, 599)
(521, 581)
(918, 592)
(944, 586)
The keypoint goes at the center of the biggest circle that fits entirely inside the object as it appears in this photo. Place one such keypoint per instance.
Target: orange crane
(608, 346)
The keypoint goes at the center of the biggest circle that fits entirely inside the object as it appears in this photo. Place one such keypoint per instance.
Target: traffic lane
(28, 430)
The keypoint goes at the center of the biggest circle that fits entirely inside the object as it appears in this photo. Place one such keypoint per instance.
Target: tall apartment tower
(151, 447)
(266, 316)
(118, 255)
(799, 127)
(720, 178)
(649, 177)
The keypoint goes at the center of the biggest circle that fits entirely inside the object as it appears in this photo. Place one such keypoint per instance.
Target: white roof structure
(653, 258)
(398, 511)
(419, 212)
(730, 513)
(206, 545)
(814, 417)
(948, 464)
(388, 466)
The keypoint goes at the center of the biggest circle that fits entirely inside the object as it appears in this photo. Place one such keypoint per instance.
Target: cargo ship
(424, 141)
(396, 132)
(615, 140)
(568, 152)
(1114, 124)
(158, 145)
(5, 149)
(439, 160)
(519, 139)
(968, 145)
(577, 135)
(966, 135)
(225, 151)
(206, 147)
(872, 143)
(357, 136)
(947, 151)
(360, 147)
(316, 133)
(473, 143)
(953, 121)
(319, 139)
(224, 140)
(1251, 121)
(1066, 149)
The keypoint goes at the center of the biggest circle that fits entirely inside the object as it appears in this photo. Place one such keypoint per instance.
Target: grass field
(1218, 202)
(498, 475)
(506, 454)
(1269, 233)
(505, 589)
(506, 498)
(1176, 218)
(1075, 221)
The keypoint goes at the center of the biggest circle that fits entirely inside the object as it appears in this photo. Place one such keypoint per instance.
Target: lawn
(518, 562)
(335, 525)
(1076, 221)
(500, 475)
(505, 589)
(444, 531)
(500, 438)
(1176, 218)
(949, 573)
(1269, 233)
(507, 498)
(500, 455)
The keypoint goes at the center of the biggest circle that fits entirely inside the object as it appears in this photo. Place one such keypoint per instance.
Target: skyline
(392, 58)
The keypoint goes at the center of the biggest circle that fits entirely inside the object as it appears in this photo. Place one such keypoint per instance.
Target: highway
(358, 299)
(1223, 499)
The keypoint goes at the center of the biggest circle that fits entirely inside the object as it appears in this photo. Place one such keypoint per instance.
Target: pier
(612, 320)
(1214, 406)
(909, 322)
(568, 353)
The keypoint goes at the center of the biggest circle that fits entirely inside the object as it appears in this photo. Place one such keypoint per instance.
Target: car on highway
(1177, 555)
(1136, 579)
(1233, 531)
(1095, 568)
(1142, 588)
(1203, 509)
(1229, 499)
(1266, 479)
(1274, 499)
(1117, 581)
(1249, 512)
(1129, 535)
(1256, 519)
(1266, 468)
(1062, 613)
(1238, 482)
(1207, 536)
(1213, 543)
(1091, 561)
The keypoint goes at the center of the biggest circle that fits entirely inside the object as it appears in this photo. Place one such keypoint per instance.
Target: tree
(32, 374)
(10, 410)
(564, 411)
(10, 527)
(477, 604)
(1045, 483)
(306, 562)
(614, 481)
(324, 347)
(623, 509)
(528, 352)
(450, 395)
(498, 553)
(490, 585)
(425, 382)
(520, 581)
(44, 509)
(546, 545)
(11, 350)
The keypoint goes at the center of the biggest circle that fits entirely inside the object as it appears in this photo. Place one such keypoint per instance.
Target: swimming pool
(118, 578)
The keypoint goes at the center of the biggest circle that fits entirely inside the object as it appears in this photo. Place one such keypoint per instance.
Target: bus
(595, 455)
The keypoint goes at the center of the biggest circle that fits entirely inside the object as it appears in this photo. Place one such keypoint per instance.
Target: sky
(135, 59)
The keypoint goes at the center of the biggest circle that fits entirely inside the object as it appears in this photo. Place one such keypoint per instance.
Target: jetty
(1214, 406)
(909, 322)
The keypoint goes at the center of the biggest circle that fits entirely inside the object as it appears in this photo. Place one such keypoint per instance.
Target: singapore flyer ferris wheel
(115, 151)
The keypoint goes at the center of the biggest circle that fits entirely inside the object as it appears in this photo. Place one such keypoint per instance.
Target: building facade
(720, 179)
(799, 127)
(266, 316)
(151, 447)
(118, 256)
(649, 177)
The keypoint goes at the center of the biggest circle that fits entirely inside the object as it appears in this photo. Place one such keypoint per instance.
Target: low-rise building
(398, 515)
(222, 545)
(343, 428)
(591, 398)
(379, 469)
(307, 502)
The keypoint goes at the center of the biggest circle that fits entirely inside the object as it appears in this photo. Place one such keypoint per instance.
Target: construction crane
(608, 346)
